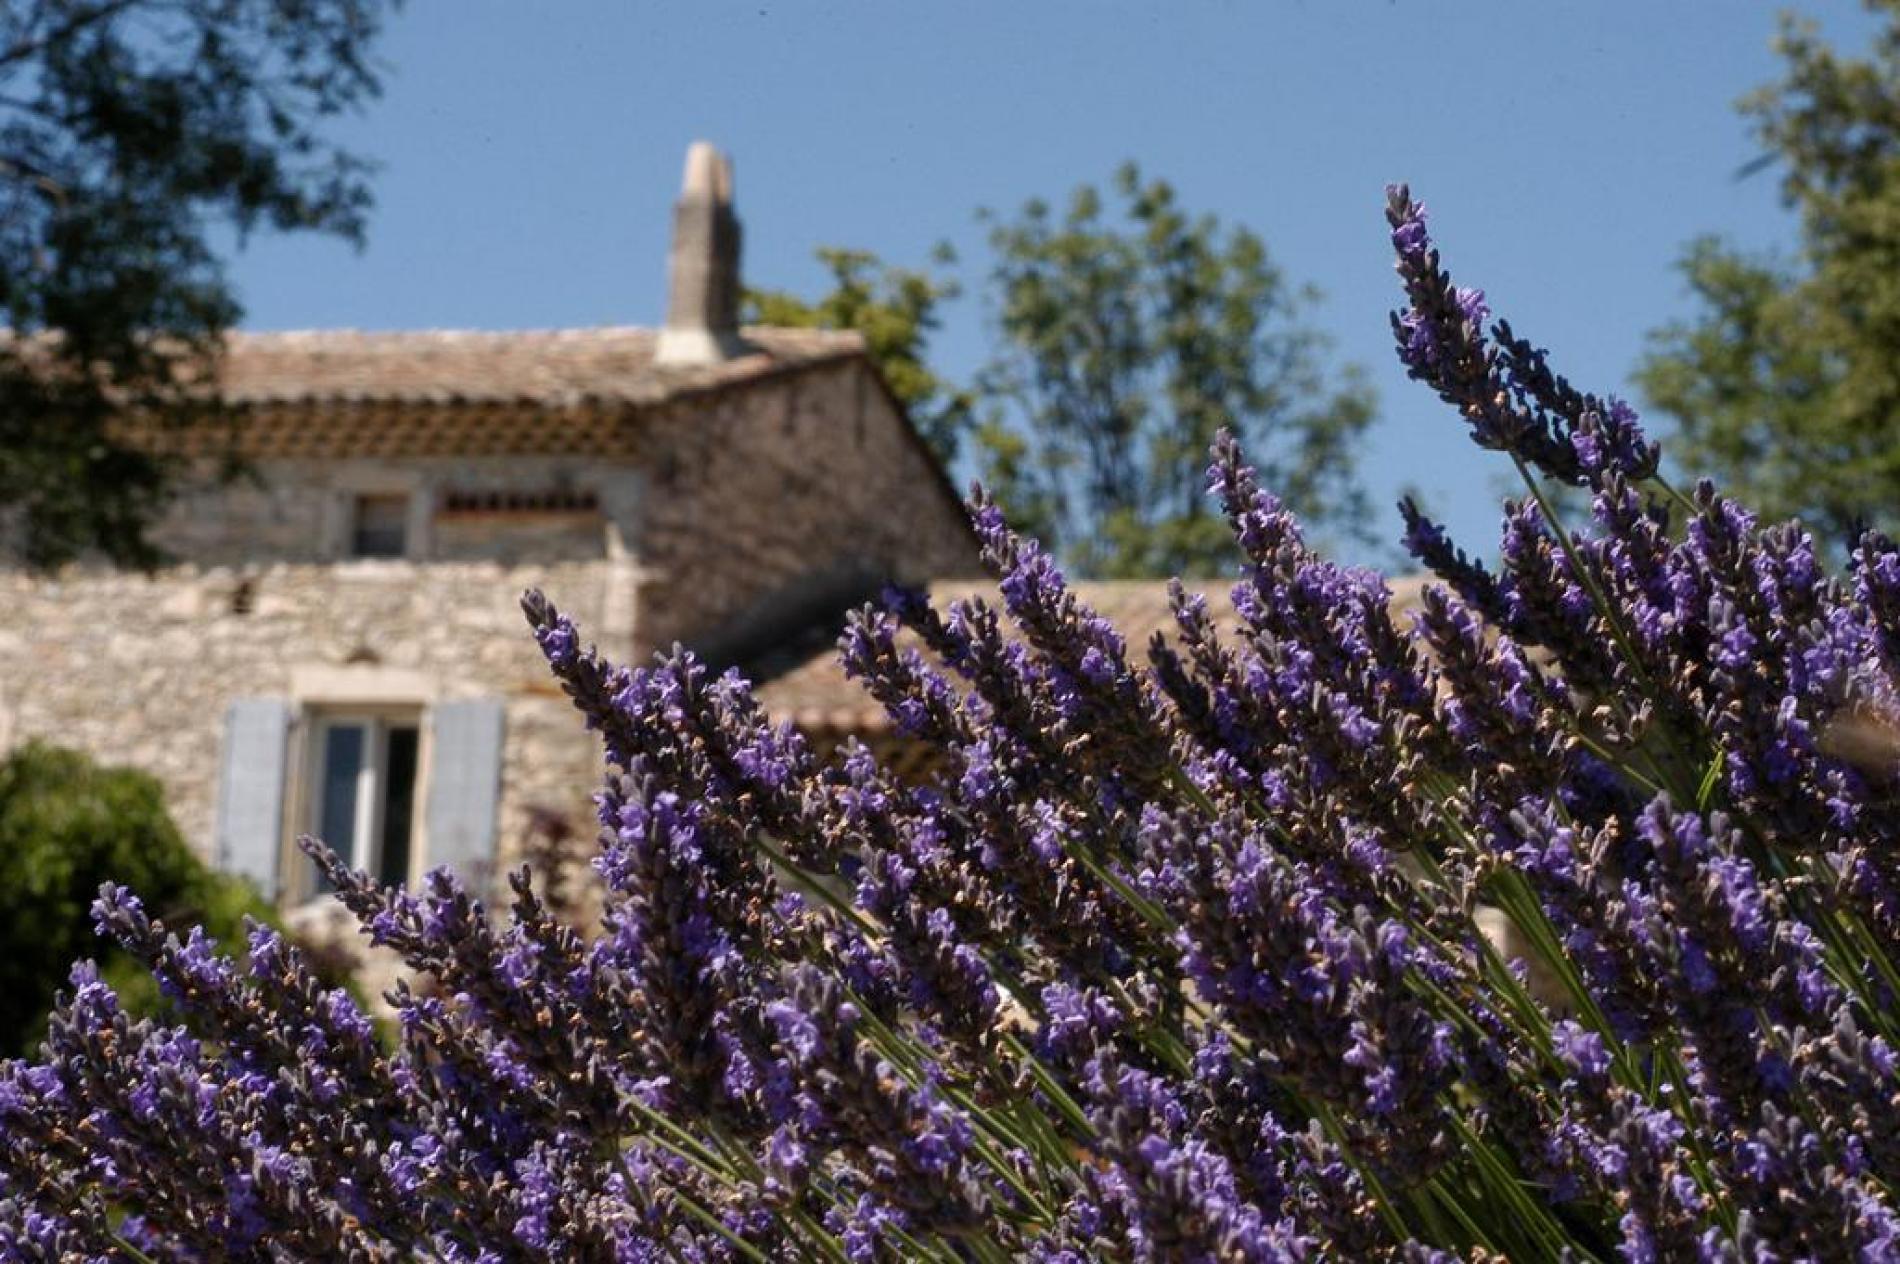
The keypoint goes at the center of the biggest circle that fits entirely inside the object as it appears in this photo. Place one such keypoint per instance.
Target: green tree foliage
(896, 309)
(133, 133)
(67, 825)
(1786, 381)
(1124, 341)
(1128, 338)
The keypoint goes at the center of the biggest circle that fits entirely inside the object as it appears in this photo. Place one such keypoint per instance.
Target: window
(345, 758)
(380, 526)
(363, 800)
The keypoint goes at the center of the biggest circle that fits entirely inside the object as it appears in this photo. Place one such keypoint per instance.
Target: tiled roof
(346, 393)
(559, 368)
(816, 697)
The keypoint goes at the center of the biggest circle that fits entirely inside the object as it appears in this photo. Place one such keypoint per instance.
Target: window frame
(349, 486)
(372, 793)
(403, 497)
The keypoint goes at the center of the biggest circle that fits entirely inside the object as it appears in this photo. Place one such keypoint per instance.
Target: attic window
(516, 502)
(380, 527)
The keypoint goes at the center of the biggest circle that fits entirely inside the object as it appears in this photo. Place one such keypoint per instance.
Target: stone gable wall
(771, 501)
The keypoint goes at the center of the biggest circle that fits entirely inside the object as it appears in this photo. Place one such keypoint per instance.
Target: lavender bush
(1174, 960)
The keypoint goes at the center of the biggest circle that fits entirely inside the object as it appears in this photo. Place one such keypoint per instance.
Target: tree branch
(29, 48)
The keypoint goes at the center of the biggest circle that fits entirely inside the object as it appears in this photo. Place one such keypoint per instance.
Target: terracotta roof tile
(544, 368)
(816, 697)
(347, 393)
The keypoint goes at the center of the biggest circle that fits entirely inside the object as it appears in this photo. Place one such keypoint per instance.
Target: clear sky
(1567, 151)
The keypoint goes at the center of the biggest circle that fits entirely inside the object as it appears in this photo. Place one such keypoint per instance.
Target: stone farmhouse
(337, 648)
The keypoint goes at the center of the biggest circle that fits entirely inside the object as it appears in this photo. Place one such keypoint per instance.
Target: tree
(1122, 346)
(1786, 381)
(1127, 341)
(896, 311)
(67, 825)
(132, 133)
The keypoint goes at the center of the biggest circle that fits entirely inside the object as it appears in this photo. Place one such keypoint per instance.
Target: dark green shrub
(67, 825)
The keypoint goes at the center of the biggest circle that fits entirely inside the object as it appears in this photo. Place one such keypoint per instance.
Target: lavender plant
(1175, 959)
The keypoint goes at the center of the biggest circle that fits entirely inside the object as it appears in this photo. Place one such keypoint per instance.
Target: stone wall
(770, 503)
(299, 510)
(139, 670)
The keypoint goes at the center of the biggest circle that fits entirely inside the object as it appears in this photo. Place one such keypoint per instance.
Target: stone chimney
(702, 301)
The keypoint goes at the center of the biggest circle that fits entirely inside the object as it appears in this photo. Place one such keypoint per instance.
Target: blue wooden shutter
(250, 838)
(464, 789)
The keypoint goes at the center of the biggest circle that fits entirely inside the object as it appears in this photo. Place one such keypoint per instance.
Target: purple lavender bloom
(1582, 1050)
(1178, 1195)
(911, 1144)
(1505, 390)
(1323, 996)
(1078, 1023)
(1410, 237)
(1876, 569)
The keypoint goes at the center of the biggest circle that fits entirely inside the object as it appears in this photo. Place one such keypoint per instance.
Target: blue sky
(531, 153)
